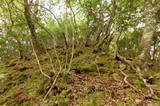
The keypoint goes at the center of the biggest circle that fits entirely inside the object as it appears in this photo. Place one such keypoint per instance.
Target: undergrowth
(94, 80)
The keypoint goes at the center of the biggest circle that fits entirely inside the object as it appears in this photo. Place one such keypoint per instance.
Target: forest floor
(94, 79)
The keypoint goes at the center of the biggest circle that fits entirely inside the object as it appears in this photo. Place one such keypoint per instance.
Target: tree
(150, 13)
(93, 23)
(36, 42)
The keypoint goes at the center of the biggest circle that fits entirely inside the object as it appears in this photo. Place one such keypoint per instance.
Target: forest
(79, 52)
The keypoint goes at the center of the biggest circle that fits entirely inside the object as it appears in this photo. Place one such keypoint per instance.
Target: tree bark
(36, 43)
(149, 30)
(107, 28)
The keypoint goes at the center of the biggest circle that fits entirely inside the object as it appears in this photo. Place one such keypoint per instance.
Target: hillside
(94, 79)
(80, 53)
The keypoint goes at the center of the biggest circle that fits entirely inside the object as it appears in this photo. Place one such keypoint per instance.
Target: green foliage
(78, 26)
(129, 43)
(85, 20)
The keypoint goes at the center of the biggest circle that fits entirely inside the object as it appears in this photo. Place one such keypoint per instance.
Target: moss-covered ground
(93, 80)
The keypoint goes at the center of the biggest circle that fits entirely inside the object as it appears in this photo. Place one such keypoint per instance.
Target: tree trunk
(66, 40)
(36, 43)
(107, 28)
(149, 29)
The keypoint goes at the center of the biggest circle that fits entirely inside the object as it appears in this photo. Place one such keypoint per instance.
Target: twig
(39, 65)
(72, 55)
(54, 82)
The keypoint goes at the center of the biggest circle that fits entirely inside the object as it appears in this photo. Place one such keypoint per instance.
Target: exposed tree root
(126, 81)
(137, 69)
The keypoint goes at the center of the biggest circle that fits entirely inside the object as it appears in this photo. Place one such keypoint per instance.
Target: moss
(101, 61)
(23, 80)
(130, 93)
(87, 67)
(93, 63)
(156, 67)
(10, 97)
(130, 102)
(3, 70)
(85, 56)
(120, 104)
(65, 78)
(138, 83)
(33, 85)
(90, 63)
(148, 74)
(94, 99)
(104, 69)
(2, 101)
(12, 62)
(44, 85)
(156, 100)
(59, 99)
(84, 68)
(87, 89)
(106, 63)
(25, 85)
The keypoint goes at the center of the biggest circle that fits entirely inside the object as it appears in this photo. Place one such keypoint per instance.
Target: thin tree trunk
(107, 28)
(36, 43)
(105, 36)
(66, 40)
